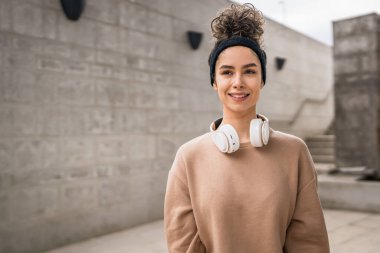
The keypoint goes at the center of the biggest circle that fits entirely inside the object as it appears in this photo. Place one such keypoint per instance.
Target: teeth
(238, 96)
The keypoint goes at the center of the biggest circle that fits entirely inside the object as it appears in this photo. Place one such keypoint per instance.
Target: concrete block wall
(356, 69)
(300, 97)
(92, 112)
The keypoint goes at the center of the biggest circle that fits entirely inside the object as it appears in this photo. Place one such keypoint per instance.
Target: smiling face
(238, 81)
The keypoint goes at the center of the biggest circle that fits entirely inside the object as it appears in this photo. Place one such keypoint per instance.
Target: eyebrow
(250, 65)
(245, 66)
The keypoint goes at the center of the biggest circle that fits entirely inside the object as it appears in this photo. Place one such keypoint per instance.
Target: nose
(238, 81)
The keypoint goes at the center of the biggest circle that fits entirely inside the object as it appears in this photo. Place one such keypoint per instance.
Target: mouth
(238, 97)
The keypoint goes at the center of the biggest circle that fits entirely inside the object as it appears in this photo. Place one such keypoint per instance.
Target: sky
(314, 17)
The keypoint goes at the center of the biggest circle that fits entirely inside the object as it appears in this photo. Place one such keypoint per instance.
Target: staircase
(322, 149)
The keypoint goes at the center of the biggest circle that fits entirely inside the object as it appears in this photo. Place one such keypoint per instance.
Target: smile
(238, 97)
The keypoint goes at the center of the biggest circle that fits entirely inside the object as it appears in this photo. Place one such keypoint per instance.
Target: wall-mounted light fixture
(73, 8)
(280, 62)
(195, 39)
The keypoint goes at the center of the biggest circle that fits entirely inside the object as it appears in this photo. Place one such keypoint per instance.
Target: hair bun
(239, 20)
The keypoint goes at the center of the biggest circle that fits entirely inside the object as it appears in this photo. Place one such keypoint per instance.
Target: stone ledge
(347, 192)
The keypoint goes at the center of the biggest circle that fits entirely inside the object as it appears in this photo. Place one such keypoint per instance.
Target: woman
(243, 187)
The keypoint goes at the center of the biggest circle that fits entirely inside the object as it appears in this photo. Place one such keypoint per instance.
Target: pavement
(348, 232)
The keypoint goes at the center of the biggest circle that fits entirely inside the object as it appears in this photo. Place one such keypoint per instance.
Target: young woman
(242, 187)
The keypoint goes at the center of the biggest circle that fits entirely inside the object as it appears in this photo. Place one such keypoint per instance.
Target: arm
(307, 229)
(180, 227)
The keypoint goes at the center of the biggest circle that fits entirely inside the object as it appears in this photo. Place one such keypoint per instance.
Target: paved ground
(348, 232)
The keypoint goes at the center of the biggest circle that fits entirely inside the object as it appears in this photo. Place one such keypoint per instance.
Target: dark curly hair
(236, 20)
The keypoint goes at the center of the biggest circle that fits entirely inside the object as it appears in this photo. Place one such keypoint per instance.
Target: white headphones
(226, 138)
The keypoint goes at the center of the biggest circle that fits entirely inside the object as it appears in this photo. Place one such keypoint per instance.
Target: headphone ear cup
(220, 140)
(265, 132)
(232, 137)
(255, 132)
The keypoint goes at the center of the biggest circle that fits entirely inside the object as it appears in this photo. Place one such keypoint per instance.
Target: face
(238, 80)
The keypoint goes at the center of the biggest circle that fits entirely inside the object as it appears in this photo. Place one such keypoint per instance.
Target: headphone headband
(215, 124)
(226, 138)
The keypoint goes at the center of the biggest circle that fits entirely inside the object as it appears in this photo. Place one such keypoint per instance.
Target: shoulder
(188, 153)
(295, 151)
(197, 145)
(291, 142)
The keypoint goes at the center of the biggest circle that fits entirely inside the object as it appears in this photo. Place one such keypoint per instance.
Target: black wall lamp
(280, 62)
(195, 39)
(73, 8)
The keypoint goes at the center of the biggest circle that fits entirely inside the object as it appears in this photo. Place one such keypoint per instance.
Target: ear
(215, 86)
(262, 84)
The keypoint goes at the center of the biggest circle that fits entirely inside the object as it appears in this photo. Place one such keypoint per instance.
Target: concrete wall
(92, 112)
(299, 98)
(357, 68)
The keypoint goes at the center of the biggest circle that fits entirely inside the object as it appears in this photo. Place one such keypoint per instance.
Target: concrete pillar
(357, 107)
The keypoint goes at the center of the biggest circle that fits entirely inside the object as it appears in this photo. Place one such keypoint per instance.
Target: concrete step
(323, 158)
(325, 168)
(321, 141)
(322, 150)
(319, 138)
(320, 144)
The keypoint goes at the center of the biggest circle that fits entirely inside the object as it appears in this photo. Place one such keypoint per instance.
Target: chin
(240, 109)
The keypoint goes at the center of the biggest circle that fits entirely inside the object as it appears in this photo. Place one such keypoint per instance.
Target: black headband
(237, 41)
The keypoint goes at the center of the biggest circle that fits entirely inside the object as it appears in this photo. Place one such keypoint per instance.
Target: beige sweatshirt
(255, 200)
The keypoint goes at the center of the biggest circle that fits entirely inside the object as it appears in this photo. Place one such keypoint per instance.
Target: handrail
(307, 101)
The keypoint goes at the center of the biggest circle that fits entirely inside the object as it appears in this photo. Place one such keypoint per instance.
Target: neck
(241, 122)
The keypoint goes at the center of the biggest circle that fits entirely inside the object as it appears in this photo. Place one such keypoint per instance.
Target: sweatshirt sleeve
(180, 227)
(307, 230)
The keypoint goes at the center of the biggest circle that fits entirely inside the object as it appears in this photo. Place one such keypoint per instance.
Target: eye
(250, 71)
(226, 72)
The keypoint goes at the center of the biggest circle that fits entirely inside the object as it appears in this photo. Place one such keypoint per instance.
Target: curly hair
(242, 20)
